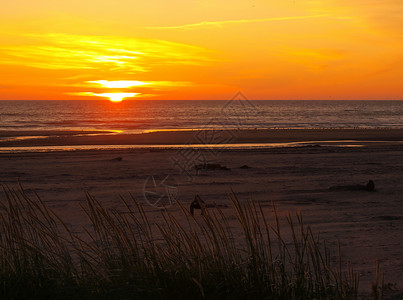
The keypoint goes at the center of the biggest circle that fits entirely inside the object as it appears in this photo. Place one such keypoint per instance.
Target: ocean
(149, 115)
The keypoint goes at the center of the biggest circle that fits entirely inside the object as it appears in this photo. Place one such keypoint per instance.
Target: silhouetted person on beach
(370, 187)
(197, 203)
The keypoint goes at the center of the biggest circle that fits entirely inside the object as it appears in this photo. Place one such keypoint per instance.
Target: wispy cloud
(63, 51)
(210, 24)
(134, 83)
(121, 61)
(118, 83)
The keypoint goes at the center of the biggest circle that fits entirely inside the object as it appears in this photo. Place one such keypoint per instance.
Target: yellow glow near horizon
(119, 83)
(112, 96)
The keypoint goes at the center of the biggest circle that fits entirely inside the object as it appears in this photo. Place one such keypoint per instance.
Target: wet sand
(69, 138)
(369, 225)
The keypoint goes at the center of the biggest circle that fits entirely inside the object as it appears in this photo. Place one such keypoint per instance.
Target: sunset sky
(201, 49)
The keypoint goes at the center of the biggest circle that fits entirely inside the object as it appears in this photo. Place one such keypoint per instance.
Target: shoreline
(203, 147)
(198, 137)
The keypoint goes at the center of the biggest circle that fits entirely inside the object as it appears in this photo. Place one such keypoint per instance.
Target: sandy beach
(297, 179)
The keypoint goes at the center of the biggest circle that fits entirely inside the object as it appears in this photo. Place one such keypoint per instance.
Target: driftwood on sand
(370, 187)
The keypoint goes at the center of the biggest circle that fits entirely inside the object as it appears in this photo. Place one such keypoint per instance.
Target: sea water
(135, 116)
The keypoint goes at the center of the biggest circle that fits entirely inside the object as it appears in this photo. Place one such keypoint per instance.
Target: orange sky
(201, 49)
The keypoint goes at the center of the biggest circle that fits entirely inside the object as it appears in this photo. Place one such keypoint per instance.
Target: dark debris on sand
(211, 167)
(369, 187)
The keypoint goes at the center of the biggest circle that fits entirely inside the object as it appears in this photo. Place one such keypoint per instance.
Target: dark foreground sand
(369, 225)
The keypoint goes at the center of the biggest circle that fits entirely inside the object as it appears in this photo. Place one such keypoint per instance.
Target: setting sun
(116, 97)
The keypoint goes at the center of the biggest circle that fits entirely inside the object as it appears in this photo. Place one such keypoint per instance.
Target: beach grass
(123, 255)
